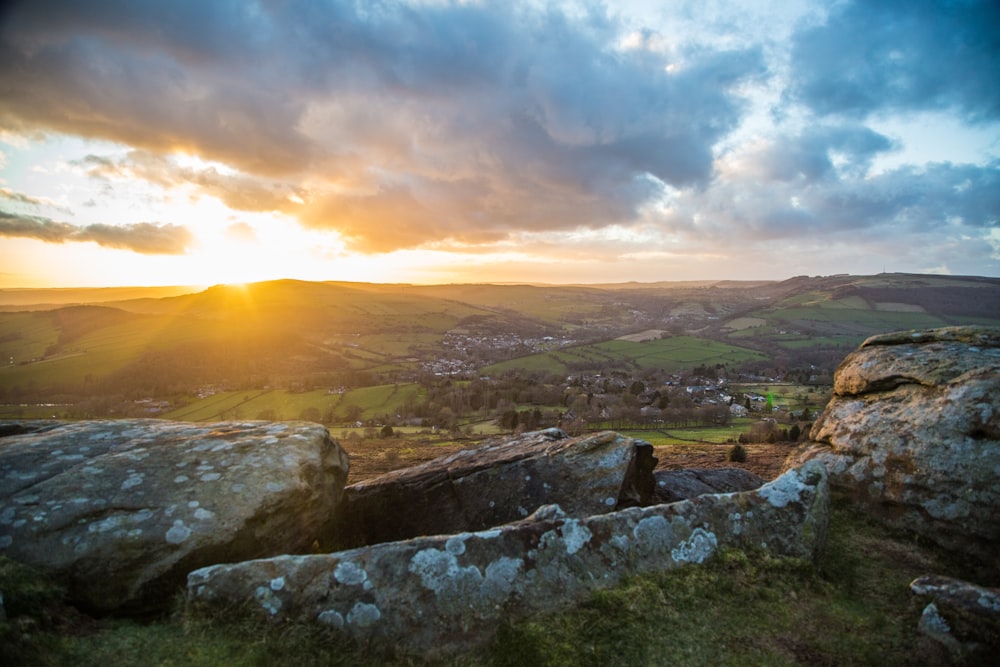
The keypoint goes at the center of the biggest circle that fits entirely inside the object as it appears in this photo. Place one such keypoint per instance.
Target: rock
(500, 481)
(20, 427)
(912, 435)
(674, 485)
(962, 616)
(439, 595)
(121, 511)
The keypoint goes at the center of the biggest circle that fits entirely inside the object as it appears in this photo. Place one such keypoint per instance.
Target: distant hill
(844, 310)
(47, 298)
(154, 341)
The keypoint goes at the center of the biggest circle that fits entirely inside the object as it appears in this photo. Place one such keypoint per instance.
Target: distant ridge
(45, 298)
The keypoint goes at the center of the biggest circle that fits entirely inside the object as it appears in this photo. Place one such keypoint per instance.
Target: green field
(789, 396)
(669, 354)
(683, 436)
(282, 404)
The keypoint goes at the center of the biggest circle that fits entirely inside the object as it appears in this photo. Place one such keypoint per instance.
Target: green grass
(670, 354)
(680, 436)
(788, 395)
(381, 399)
(24, 336)
(853, 607)
(880, 320)
(282, 404)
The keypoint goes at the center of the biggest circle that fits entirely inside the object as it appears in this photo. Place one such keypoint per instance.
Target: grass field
(281, 404)
(670, 354)
(788, 395)
(679, 436)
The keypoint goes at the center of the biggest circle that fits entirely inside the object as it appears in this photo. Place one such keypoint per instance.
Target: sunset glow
(560, 142)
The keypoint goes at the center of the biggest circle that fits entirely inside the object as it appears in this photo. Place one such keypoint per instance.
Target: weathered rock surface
(440, 594)
(674, 485)
(500, 481)
(962, 616)
(912, 435)
(121, 511)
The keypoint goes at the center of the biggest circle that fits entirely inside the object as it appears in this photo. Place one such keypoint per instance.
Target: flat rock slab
(912, 435)
(502, 480)
(674, 485)
(438, 595)
(962, 616)
(121, 511)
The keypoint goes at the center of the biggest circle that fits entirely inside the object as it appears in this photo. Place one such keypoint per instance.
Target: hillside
(842, 311)
(319, 335)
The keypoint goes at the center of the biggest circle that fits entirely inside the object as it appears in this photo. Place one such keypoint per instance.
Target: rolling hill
(307, 335)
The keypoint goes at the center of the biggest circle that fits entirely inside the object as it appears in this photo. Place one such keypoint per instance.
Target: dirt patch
(374, 457)
(643, 336)
(764, 460)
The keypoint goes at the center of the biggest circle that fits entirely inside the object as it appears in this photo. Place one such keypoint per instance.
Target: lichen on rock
(912, 435)
(122, 510)
(450, 592)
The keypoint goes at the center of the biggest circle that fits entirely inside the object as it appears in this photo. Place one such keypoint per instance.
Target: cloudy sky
(193, 142)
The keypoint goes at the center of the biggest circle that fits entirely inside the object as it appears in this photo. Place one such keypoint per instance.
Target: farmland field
(282, 404)
(669, 354)
(679, 436)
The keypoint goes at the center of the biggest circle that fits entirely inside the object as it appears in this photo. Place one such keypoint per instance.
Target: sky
(433, 141)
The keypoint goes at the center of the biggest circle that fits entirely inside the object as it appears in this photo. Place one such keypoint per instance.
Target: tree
(352, 412)
(737, 454)
(509, 420)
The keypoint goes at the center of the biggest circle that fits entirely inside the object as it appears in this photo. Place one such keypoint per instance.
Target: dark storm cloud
(144, 237)
(901, 56)
(150, 75)
(460, 121)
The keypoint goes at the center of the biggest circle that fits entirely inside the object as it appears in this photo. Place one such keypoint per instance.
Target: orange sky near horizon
(561, 142)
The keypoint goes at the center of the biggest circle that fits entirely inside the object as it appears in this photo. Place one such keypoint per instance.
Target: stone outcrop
(964, 617)
(438, 594)
(912, 435)
(674, 485)
(500, 481)
(121, 511)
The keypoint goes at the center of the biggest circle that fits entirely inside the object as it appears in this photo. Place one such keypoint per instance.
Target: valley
(463, 360)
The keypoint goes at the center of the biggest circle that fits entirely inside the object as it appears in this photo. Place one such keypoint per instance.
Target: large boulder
(121, 511)
(674, 485)
(912, 435)
(502, 480)
(435, 595)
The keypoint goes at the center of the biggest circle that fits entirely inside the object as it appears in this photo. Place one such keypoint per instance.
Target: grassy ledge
(854, 607)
